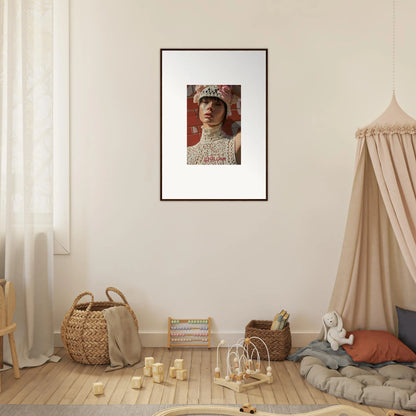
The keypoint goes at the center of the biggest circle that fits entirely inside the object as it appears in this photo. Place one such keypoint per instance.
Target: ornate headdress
(223, 92)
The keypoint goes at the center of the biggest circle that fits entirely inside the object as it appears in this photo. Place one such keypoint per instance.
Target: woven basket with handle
(278, 342)
(84, 328)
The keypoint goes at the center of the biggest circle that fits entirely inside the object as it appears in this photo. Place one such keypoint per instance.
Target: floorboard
(68, 382)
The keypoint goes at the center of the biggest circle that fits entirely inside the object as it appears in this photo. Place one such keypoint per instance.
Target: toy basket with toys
(84, 328)
(279, 342)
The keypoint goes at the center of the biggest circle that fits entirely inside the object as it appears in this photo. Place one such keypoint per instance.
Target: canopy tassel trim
(386, 129)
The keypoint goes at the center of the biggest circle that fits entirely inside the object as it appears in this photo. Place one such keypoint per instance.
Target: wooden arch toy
(243, 367)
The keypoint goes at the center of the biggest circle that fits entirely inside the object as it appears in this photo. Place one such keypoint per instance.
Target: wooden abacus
(189, 332)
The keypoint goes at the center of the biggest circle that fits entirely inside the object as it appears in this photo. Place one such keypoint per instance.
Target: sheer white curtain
(26, 168)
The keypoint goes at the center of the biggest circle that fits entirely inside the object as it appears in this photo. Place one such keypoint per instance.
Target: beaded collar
(212, 134)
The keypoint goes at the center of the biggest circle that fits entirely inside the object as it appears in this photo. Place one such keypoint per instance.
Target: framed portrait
(213, 128)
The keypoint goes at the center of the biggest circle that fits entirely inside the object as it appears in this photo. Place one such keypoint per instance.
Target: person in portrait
(215, 147)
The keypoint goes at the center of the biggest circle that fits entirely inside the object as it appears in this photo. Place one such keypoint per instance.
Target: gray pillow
(407, 325)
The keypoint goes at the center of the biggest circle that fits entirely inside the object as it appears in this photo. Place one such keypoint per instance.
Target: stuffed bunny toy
(335, 335)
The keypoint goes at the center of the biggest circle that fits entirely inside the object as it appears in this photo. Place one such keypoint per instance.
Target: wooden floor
(67, 382)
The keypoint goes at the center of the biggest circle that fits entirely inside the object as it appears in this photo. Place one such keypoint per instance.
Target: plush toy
(335, 335)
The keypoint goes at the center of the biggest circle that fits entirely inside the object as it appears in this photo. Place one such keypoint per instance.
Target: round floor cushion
(391, 386)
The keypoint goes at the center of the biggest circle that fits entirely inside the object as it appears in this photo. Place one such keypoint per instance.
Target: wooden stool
(7, 327)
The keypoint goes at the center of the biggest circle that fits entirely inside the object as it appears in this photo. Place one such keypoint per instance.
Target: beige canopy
(377, 269)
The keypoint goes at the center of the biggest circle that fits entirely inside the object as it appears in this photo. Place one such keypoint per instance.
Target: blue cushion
(407, 327)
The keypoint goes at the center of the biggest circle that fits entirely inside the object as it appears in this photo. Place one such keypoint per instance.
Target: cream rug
(125, 410)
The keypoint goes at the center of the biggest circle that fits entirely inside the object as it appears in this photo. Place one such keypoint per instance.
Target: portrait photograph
(213, 124)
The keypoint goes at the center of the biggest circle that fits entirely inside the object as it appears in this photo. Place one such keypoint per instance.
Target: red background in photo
(231, 126)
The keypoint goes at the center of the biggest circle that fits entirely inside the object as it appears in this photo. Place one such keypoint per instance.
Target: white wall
(329, 74)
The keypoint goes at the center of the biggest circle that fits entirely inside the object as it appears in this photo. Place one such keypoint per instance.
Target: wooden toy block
(157, 368)
(178, 363)
(136, 382)
(98, 388)
(158, 378)
(148, 361)
(172, 372)
(182, 374)
(147, 371)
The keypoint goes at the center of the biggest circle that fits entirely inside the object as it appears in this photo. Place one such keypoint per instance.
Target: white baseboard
(159, 339)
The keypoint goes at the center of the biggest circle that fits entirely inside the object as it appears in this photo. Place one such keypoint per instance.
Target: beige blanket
(124, 346)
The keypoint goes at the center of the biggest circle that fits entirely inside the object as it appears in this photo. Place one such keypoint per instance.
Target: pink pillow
(377, 347)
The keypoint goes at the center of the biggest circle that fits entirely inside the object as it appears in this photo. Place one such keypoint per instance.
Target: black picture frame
(183, 67)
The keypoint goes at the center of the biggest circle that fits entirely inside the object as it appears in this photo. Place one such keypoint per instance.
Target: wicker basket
(84, 328)
(278, 342)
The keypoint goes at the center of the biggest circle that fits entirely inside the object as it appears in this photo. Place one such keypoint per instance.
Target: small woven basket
(279, 342)
(84, 328)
